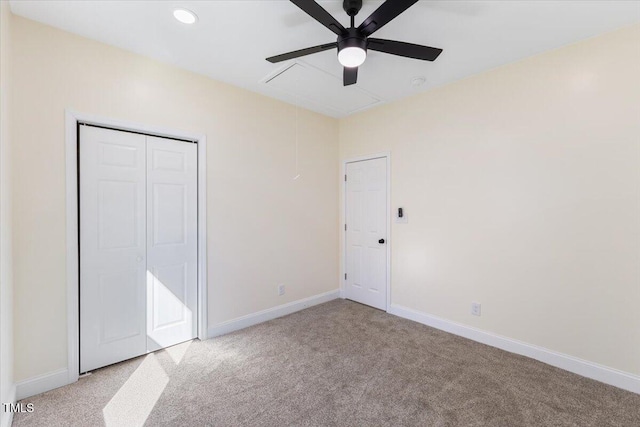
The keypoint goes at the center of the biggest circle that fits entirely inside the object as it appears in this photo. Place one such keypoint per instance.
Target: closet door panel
(171, 242)
(112, 246)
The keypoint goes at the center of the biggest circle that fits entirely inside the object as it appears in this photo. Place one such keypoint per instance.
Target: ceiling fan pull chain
(296, 132)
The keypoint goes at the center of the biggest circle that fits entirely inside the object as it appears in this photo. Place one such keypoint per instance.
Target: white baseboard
(578, 366)
(271, 313)
(42, 383)
(6, 418)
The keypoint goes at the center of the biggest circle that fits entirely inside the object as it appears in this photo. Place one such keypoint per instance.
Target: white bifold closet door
(138, 244)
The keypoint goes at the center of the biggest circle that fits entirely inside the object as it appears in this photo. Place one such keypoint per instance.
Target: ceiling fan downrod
(352, 7)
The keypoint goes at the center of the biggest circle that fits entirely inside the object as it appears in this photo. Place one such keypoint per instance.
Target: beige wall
(263, 227)
(522, 189)
(7, 389)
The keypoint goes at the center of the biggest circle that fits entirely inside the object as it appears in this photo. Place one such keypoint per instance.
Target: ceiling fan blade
(316, 11)
(408, 50)
(350, 75)
(302, 52)
(382, 15)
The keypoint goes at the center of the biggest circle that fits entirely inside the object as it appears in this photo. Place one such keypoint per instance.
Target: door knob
(381, 241)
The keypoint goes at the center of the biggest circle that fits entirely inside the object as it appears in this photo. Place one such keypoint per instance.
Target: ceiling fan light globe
(352, 56)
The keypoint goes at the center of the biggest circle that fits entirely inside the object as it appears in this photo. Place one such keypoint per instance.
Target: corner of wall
(7, 386)
(6, 418)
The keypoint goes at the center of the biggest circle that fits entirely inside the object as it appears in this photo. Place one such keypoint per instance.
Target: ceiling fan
(353, 42)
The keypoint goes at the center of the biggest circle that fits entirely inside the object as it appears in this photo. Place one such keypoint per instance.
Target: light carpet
(336, 364)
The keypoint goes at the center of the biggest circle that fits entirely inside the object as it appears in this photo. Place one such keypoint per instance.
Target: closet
(138, 244)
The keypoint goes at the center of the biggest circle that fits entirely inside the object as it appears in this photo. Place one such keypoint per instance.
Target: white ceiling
(231, 40)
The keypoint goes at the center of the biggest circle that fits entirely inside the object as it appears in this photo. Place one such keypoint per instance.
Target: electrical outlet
(281, 289)
(476, 308)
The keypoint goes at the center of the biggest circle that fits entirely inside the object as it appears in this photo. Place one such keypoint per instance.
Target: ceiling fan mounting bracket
(352, 7)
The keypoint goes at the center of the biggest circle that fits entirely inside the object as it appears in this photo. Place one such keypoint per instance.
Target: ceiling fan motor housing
(352, 38)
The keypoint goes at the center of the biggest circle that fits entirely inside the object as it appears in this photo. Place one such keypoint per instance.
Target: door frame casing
(343, 218)
(72, 118)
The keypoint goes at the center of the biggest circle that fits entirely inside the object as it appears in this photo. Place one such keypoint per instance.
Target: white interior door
(366, 236)
(113, 247)
(138, 245)
(172, 242)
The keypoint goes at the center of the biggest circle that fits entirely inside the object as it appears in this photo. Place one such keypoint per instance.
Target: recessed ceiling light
(185, 16)
(418, 81)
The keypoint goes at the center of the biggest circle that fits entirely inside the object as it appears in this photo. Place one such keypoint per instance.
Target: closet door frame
(73, 119)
